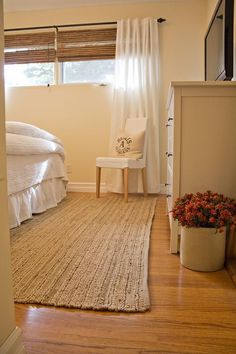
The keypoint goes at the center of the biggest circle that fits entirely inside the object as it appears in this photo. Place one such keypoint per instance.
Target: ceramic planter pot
(202, 249)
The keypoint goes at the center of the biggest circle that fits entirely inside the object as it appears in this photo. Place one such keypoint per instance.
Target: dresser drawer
(169, 187)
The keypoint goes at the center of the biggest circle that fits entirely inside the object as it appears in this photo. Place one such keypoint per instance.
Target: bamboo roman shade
(90, 44)
(72, 45)
(30, 48)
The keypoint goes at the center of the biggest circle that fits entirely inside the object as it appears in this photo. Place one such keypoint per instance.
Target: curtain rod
(159, 20)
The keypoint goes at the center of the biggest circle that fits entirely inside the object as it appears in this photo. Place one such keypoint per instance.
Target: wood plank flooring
(192, 312)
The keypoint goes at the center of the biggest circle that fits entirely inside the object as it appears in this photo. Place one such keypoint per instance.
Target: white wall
(80, 114)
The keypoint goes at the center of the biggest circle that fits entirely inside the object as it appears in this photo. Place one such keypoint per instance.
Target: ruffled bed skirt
(36, 199)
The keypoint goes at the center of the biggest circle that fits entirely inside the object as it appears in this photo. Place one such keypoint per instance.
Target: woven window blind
(88, 44)
(30, 48)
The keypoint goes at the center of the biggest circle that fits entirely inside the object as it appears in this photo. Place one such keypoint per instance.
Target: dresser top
(202, 83)
(199, 88)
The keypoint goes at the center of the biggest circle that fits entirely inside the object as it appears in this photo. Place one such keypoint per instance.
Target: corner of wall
(13, 344)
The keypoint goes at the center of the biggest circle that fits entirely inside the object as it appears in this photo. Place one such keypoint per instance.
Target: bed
(35, 169)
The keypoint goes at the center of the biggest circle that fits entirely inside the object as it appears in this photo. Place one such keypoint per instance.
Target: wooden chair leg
(144, 179)
(126, 180)
(123, 178)
(98, 180)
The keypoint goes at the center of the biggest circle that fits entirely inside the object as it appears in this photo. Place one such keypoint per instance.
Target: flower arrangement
(207, 209)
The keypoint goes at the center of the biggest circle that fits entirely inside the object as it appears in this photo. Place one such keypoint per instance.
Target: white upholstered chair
(127, 157)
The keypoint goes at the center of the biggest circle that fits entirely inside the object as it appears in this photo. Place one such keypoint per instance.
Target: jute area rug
(87, 253)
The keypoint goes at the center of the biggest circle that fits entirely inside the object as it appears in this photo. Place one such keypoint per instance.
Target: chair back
(135, 126)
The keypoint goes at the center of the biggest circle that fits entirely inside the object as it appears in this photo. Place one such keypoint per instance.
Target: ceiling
(24, 5)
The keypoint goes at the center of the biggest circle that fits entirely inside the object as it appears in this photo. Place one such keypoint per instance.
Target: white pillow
(129, 145)
(26, 129)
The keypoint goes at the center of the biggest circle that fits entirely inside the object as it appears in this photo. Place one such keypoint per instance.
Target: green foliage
(88, 71)
(39, 74)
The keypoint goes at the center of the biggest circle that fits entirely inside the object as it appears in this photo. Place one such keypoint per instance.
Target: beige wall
(211, 5)
(7, 320)
(80, 114)
(234, 78)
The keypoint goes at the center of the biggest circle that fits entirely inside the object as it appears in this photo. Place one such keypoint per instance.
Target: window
(31, 74)
(87, 55)
(90, 71)
(82, 56)
(29, 59)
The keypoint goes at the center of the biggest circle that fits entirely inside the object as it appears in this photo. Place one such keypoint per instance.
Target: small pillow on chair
(129, 145)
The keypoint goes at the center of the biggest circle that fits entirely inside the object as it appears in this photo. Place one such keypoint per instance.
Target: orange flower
(207, 209)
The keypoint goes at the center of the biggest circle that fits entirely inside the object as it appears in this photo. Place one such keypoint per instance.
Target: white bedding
(26, 145)
(26, 129)
(35, 168)
(26, 171)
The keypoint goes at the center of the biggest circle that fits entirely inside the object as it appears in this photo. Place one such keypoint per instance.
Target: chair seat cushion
(119, 162)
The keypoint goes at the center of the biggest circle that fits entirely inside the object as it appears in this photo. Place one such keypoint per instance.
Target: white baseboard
(85, 187)
(13, 344)
(91, 187)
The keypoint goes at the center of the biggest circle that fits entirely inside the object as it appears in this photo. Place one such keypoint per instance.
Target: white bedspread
(26, 129)
(26, 145)
(35, 199)
(26, 171)
(35, 169)
(33, 155)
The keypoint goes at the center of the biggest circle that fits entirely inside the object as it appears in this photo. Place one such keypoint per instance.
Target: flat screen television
(219, 43)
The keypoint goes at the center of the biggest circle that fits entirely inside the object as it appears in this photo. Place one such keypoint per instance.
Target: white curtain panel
(136, 95)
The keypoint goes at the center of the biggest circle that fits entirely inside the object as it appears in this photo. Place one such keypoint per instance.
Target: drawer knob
(170, 119)
(167, 184)
(168, 154)
(168, 195)
(168, 125)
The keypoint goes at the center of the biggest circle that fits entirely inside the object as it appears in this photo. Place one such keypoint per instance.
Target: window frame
(63, 46)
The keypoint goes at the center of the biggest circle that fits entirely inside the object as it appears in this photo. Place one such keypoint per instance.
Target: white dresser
(201, 148)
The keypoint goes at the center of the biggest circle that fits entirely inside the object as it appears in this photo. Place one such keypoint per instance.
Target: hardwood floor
(192, 312)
